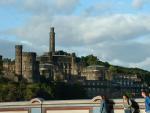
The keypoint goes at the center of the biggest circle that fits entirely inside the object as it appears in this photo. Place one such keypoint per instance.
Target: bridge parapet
(62, 106)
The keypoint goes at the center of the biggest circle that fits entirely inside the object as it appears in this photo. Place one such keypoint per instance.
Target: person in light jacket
(127, 104)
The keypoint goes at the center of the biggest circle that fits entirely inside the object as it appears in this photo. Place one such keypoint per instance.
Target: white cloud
(137, 3)
(6, 48)
(99, 8)
(39, 7)
(121, 39)
(145, 64)
(7, 2)
(117, 34)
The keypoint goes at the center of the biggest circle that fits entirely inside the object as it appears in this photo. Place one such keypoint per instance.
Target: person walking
(104, 107)
(127, 104)
(147, 101)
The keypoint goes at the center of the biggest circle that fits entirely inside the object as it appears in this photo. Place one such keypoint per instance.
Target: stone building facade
(94, 72)
(57, 65)
(128, 83)
(9, 69)
(119, 85)
(24, 66)
(30, 67)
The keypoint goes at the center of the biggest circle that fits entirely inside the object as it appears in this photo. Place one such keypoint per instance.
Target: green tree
(8, 92)
(112, 70)
(46, 91)
(92, 60)
(31, 91)
(69, 91)
(89, 60)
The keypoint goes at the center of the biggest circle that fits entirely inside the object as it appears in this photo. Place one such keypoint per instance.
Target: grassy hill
(93, 60)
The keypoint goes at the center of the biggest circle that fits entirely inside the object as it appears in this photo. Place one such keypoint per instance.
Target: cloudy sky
(117, 31)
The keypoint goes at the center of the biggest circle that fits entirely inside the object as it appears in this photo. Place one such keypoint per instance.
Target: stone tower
(18, 60)
(52, 40)
(30, 67)
(1, 63)
(73, 64)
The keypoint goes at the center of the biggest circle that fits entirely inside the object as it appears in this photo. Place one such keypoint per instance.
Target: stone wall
(67, 106)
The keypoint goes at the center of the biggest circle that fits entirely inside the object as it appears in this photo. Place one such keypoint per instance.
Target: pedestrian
(147, 101)
(104, 107)
(127, 104)
(135, 107)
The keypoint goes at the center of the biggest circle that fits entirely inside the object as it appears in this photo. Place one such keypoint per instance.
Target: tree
(31, 91)
(112, 70)
(92, 60)
(46, 91)
(89, 60)
(69, 91)
(8, 92)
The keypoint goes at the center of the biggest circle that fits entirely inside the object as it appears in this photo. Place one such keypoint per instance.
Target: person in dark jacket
(104, 107)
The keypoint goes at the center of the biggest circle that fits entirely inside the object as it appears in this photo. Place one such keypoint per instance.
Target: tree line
(21, 91)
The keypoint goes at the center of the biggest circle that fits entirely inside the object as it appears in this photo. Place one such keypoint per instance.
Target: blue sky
(117, 31)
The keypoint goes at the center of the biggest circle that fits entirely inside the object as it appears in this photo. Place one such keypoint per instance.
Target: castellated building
(58, 65)
(53, 65)
(26, 66)
(62, 66)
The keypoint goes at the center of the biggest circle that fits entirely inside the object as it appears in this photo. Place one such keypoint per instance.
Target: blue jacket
(104, 107)
(147, 104)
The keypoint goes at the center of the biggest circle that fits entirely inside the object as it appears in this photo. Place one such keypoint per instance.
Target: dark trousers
(127, 111)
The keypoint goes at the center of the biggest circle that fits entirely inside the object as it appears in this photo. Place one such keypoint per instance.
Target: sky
(116, 31)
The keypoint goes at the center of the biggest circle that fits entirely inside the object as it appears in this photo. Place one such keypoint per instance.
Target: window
(93, 83)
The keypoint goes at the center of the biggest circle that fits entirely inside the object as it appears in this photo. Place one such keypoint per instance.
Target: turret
(1, 63)
(52, 40)
(18, 60)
